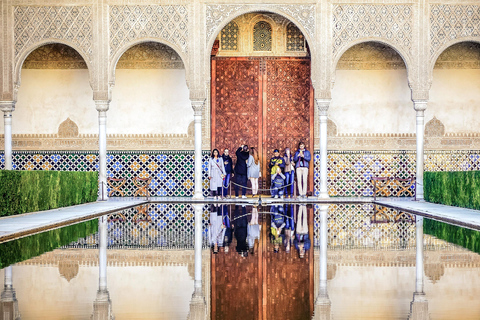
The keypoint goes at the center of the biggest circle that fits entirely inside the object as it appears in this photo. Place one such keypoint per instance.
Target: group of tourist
(285, 230)
(247, 167)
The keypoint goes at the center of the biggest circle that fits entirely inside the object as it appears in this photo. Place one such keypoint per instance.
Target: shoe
(236, 197)
(244, 197)
(281, 197)
(276, 197)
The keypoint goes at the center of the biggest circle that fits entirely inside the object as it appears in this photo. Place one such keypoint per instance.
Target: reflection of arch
(128, 45)
(26, 52)
(445, 47)
(405, 56)
(434, 271)
(257, 9)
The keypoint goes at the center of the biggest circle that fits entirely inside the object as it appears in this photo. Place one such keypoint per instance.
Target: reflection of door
(262, 102)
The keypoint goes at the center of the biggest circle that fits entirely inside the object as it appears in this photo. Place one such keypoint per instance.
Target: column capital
(322, 105)
(7, 106)
(102, 105)
(197, 106)
(420, 105)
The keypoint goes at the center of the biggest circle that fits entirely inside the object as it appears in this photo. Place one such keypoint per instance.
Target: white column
(8, 283)
(198, 246)
(7, 107)
(420, 107)
(419, 255)
(102, 253)
(323, 105)
(197, 106)
(102, 108)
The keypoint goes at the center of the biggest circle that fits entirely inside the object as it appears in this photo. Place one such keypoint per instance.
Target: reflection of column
(323, 305)
(9, 303)
(102, 306)
(420, 107)
(7, 107)
(102, 108)
(419, 304)
(323, 105)
(197, 106)
(198, 306)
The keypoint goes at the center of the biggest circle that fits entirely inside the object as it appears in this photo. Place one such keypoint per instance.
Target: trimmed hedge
(32, 246)
(29, 191)
(460, 188)
(469, 239)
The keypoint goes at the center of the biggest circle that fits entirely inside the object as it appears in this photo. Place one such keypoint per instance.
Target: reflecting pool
(338, 261)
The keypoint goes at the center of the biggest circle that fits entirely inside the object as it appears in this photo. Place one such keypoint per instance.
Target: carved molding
(451, 21)
(393, 23)
(33, 24)
(131, 22)
(303, 15)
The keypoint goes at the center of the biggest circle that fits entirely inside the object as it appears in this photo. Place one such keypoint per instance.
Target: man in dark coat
(241, 170)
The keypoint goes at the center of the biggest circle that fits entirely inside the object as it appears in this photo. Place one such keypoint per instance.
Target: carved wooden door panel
(263, 102)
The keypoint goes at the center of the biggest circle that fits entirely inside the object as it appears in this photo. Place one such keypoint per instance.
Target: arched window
(262, 36)
(229, 37)
(295, 38)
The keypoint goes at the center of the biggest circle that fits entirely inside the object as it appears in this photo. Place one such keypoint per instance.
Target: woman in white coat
(216, 173)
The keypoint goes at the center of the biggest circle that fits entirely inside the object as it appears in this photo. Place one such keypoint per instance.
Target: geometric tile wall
(349, 172)
(172, 172)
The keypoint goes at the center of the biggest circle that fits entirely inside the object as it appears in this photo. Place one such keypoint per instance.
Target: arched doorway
(261, 93)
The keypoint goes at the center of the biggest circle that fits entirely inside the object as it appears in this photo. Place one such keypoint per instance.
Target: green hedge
(29, 191)
(466, 238)
(460, 189)
(32, 246)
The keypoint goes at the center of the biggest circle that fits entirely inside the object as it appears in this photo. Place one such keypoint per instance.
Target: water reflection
(9, 304)
(264, 279)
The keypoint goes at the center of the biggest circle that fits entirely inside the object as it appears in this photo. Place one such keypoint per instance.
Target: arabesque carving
(370, 56)
(54, 56)
(434, 128)
(36, 23)
(68, 129)
(150, 55)
(131, 22)
(463, 55)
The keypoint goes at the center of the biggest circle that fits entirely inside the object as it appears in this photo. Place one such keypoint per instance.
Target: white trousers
(302, 181)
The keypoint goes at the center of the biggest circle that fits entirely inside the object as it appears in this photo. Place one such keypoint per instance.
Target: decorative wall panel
(37, 23)
(172, 172)
(463, 55)
(448, 22)
(229, 37)
(295, 38)
(54, 56)
(150, 55)
(390, 22)
(218, 13)
(127, 23)
(349, 172)
(262, 36)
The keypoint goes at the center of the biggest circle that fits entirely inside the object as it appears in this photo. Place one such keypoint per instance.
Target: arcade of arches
(355, 83)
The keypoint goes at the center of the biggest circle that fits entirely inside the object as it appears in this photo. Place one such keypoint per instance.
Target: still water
(269, 265)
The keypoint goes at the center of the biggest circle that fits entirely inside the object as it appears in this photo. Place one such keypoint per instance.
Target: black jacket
(241, 165)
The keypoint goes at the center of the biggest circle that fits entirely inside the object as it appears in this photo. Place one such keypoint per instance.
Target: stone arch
(404, 55)
(128, 45)
(256, 9)
(442, 49)
(26, 52)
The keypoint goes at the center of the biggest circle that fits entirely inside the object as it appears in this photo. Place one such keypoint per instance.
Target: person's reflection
(227, 240)
(9, 304)
(302, 240)
(240, 230)
(277, 225)
(289, 227)
(216, 230)
(253, 231)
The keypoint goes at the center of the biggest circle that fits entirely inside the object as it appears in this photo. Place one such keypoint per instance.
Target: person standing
(253, 169)
(302, 158)
(276, 161)
(289, 173)
(241, 170)
(278, 183)
(216, 173)
(228, 163)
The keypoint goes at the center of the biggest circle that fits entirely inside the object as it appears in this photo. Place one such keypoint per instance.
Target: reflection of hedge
(28, 191)
(466, 238)
(32, 246)
(461, 189)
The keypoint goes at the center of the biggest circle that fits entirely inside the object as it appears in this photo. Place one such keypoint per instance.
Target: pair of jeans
(276, 191)
(240, 179)
(289, 177)
(226, 182)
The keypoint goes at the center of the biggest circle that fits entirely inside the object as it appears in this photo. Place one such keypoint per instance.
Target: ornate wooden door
(263, 102)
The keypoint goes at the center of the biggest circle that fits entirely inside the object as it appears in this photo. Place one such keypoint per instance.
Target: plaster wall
(372, 101)
(161, 292)
(144, 101)
(455, 99)
(149, 101)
